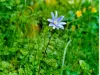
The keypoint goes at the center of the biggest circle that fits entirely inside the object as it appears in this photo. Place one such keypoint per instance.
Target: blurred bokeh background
(24, 34)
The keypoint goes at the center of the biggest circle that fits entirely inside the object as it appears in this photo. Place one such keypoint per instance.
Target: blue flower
(56, 22)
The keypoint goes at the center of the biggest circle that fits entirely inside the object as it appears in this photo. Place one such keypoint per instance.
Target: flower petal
(62, 23)
(60, 18)
(60, 26)
(54, 27)
(56, 14)
(50, 20)
(51, 24)
(52, 14)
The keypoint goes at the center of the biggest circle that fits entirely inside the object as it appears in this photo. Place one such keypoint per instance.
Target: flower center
(55, 22)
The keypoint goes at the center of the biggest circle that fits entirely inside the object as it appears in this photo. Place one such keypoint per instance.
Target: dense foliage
(24, 35)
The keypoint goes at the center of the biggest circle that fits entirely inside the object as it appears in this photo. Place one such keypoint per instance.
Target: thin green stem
(25, 2)
(64, 54)
(45, 52)
(48, 42)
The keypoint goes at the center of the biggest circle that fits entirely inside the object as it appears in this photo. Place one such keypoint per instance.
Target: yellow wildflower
(47, 1)
(52, 2)
(73, 28)
(79, 13)
(94, 10)
(84, 9)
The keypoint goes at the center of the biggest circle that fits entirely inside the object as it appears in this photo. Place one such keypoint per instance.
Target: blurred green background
(24, 34)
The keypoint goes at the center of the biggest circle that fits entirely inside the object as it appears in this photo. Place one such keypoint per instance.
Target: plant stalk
(64, 54)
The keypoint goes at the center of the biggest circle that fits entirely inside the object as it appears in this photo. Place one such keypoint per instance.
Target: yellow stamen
(94, 10)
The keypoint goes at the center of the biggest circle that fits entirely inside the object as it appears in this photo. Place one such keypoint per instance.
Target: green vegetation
(25, 32)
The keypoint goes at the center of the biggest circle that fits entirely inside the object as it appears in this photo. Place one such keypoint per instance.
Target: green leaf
(84, 65)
